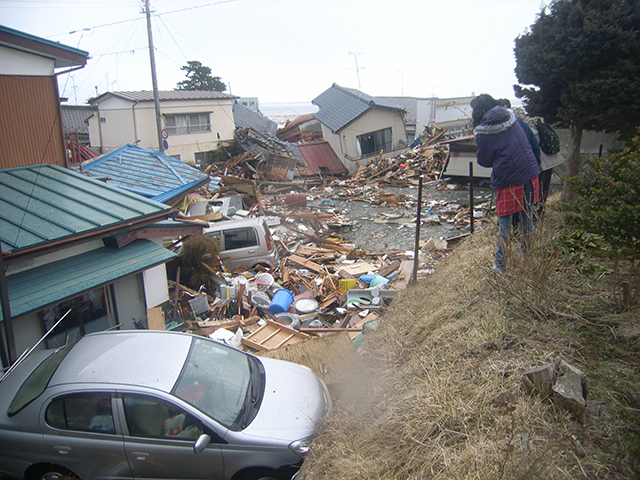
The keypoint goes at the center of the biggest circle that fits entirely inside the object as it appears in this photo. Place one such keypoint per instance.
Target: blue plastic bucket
(282, 300)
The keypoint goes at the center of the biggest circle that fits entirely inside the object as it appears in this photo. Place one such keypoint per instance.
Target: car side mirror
(201, 443)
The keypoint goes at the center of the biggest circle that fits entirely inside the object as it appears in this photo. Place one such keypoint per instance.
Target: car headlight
(300, 447)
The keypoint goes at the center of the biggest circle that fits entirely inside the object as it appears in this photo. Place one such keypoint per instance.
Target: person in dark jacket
(502, 145)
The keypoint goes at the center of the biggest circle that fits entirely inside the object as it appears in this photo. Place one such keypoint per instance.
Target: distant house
(30, 116)
(75, 121)
(249, 102)
(451, 114)
(70, 242)
(195, 121)
(359, 127)
(147, 172)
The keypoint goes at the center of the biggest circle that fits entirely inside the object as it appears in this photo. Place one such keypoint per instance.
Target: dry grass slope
(438, 394)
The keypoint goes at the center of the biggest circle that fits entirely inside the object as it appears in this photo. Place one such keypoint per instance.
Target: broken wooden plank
(273, 335)
(155, 319)
(306, 263)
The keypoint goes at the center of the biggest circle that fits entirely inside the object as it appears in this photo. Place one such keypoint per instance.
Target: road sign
(164, 134)
(165, 144)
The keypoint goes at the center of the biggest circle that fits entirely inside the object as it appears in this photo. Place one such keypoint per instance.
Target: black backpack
(549, 141)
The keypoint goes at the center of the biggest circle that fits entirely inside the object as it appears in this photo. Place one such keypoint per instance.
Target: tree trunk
(573, 160)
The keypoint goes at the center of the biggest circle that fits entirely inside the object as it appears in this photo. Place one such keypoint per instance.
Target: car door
(241, 247)
(82, 430)
(160, 440)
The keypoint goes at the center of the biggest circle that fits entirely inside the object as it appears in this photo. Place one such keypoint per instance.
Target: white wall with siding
(127, 122)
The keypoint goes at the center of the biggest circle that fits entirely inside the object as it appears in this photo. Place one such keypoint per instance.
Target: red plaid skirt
(510, 200)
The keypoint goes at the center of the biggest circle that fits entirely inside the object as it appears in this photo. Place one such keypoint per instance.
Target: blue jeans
(523, 220)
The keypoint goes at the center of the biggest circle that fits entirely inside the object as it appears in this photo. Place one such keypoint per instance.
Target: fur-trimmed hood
(497, 120)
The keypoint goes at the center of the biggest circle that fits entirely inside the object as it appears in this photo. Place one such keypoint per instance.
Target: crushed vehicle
(246, 242)
(156, 404)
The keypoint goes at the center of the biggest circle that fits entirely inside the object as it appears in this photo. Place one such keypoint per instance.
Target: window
(90, 312)
(240, 238)
(103, 120)
(187, 123)
(152, 417)
(201, 159)
(37, 382)
(82, 412)
(375, 142)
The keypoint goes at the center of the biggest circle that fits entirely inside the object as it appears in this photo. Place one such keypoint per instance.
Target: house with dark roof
(75, 121)
(195, 122)
(147, 172)
(71, 243)
(30, 117)
(360, 127)
(245, 117)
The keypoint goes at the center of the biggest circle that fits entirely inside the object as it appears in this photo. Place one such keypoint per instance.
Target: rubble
(330, 284)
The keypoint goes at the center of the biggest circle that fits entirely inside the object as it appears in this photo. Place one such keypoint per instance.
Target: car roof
(245, 222)
(148, 358)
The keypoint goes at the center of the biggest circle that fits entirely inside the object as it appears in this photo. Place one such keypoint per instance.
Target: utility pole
(154, 79)
(355, 56)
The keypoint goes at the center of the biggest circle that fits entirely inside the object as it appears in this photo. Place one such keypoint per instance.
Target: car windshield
(224, 383)
(36, 383)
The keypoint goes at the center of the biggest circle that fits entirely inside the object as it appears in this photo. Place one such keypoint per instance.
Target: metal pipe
(471, 197)
(416, 247)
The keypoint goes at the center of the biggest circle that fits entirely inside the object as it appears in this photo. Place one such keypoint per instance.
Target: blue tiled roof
(40, 204)
(339, 106)
(147, 172)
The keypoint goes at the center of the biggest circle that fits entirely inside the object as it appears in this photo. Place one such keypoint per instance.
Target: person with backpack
(502, 145)
(549, 158)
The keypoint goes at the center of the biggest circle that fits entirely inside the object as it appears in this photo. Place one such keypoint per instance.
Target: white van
(244, 242)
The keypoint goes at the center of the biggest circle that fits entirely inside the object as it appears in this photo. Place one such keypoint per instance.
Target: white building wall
(372, 121)
(130, 300)
(127, 122)
(345, 143)
(155, 286)
(13, 62)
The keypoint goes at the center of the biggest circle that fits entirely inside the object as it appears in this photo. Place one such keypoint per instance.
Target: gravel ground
(377, 237)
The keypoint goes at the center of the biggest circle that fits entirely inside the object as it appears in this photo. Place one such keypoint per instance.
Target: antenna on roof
(355, 56)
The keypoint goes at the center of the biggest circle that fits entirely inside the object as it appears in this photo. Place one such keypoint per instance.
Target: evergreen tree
(199, 78)
(579, 66)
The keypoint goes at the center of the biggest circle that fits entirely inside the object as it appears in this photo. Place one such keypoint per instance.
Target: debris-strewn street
(346, 247)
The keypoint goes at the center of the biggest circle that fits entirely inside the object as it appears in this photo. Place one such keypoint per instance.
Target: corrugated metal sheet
(30, 122)
(55, 282)
(320, 158)
(340, 106)
(43, 203)
(147, 172)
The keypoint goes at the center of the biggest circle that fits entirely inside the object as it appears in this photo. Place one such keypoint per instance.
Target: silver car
(156, 405)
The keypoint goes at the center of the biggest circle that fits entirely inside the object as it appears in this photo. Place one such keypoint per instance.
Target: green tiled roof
(44, 203)
(55, 282)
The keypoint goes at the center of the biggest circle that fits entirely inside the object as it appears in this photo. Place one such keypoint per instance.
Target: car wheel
(49, 472)
(258, 474)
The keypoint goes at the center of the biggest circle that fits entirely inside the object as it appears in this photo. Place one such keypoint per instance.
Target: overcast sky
(287, 50)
